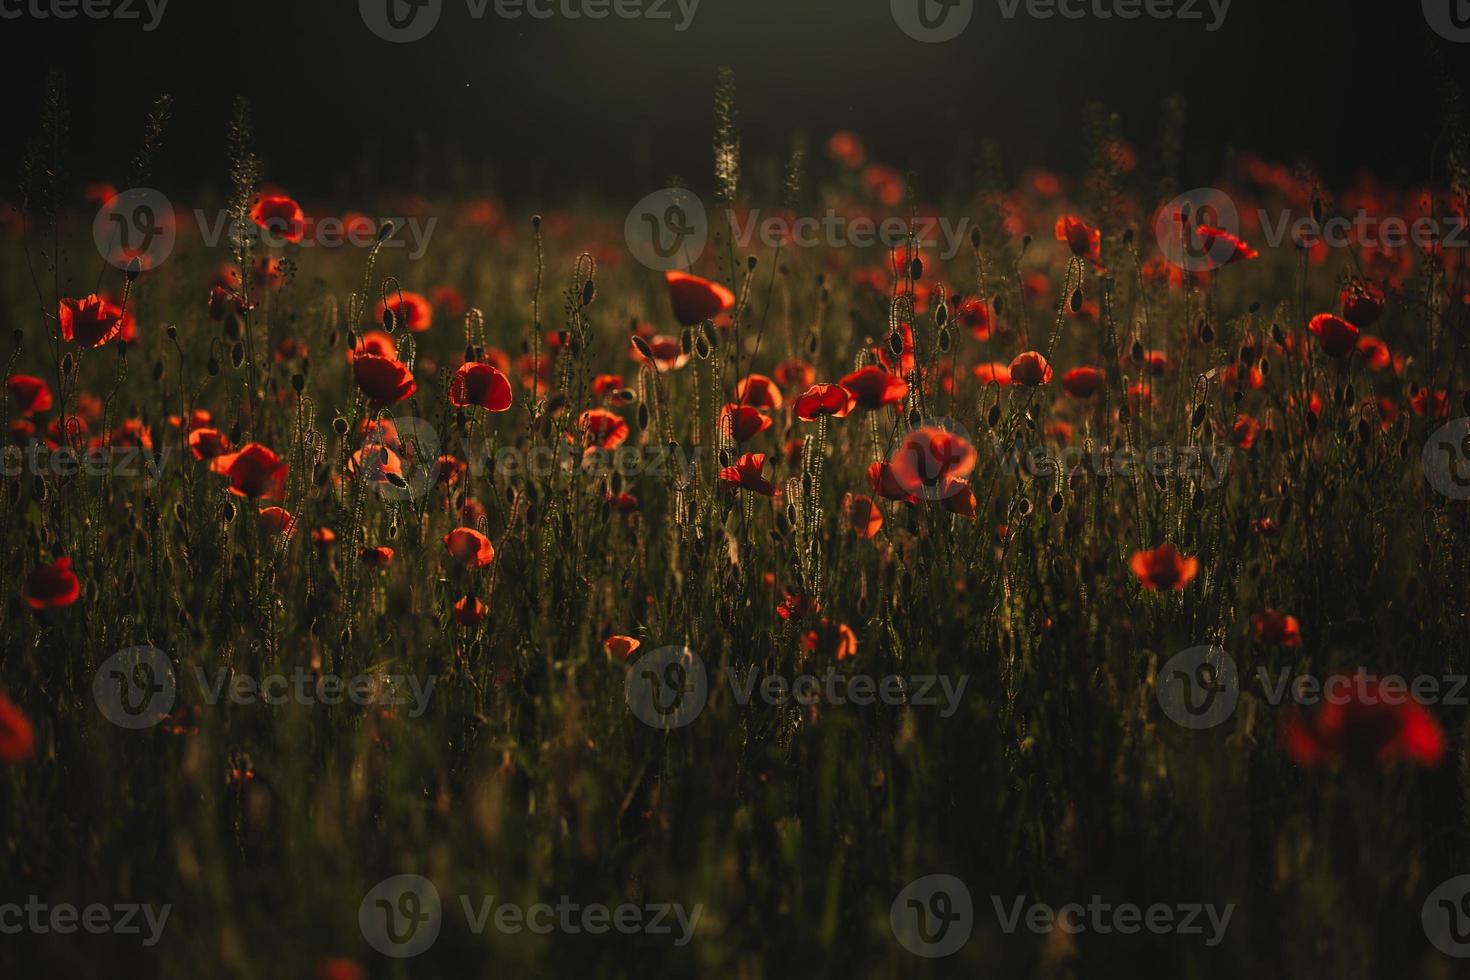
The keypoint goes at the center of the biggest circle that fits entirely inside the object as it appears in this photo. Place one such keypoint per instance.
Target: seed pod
(1076, 301)
(1023, 507)
(916, 269)
(975, 237)
(941, 314)
(642, 346)
(589, 292)
(1198, 417)
(67, 364)
(1056, 503)
(388, 319)
(702, 348)
(229, 511)
(895, 342)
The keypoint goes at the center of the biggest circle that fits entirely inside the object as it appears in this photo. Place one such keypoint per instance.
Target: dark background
(543, 111)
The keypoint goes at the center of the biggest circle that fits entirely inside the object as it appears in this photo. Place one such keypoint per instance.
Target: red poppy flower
(621, 647)
(1276, 628)
(1030, 369)
(1163, 568)
(1436, 405)
(254, 471)
(825, 399)
(281, 216)
(668, 353)
(758, 391)
(1367, 723)
(874, 387)
(798, 606)
(974, 315)
(1085, 242)
(469, 546)
(886, 485)
(1336, 335)
(469, 612)
(746, 475)
(863, 516)
(376, 557)
(993, 372)
(958, 497)
(696, 300)
(1243, 433)
(1218, 242)
(91, 322)
(1375, 352)
(1083, 382)
(795, 374)
(884, 183)
(17, 736)
(277, 520)
(835, 640)
(904, 363)
(410, 310)
(208, 443)
(605, 384)
(928, 457)
(30, 394)
(744, 422)
(482, 385)
(1362, 303)
(385, 380)
(846, 148)
(51, 586)
(602, 429)
(374, 342)
(323, 537)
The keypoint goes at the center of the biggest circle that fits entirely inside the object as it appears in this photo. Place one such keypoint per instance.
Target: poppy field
(1052, 574)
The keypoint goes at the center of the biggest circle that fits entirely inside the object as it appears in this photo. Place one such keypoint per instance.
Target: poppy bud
(385, 231)
(1128, 237)
(135, 268)
(994, 417)
(702, 347)
(974, 237)
(1207, 334)
(916, 269)
(1137, 352)
(237, 354)
(212, 366)
(536, 222)
(172, 332)
(1198, 417)
(298, 381)
(1278, 336)
(812, 345)
(1023, 507)
(1000, 305)
(67, 364)
(1123, 414)
(914, 418)
(642, 416)
(1255, 308)
(941, 315)
(589, 292)
(643, 348)
(895, 342)
(1056, 503)
(1025, 242)
(229, 511)
(944, 340)
(1076, 302)
(751, 262)
(339, 425)
(16, 336)
(157, 370)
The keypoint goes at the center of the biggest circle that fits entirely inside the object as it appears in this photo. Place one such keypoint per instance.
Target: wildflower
(470, 547)
(696, 300)
(746, 475)
(825, 399)
(51, 586)
(1163, 568)
(1370, 724)
(480, 384)
(254, 471)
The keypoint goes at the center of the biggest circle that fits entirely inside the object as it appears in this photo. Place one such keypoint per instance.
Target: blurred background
(546, 110)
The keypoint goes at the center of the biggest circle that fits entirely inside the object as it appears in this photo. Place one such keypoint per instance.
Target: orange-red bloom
(1276, 628)
(280, 216)
(1084, 241)
(602, 429)
(91, 322)
(1163, 568)
(208, 443)
(469, 546)
(928, 458)
(758, 391)
(874, 387)
(1030, 369)
(1336, 335)
(410, 310)
(744, 422)
(863, 516)
(1365, 721)
(746, 475)
(384, 380)
(17, 736)
(696, 300)
(51, 586)
(825, 399)
(469, 612)
(254, 471)
(30, 394)
(621, 647)
(480, 384)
